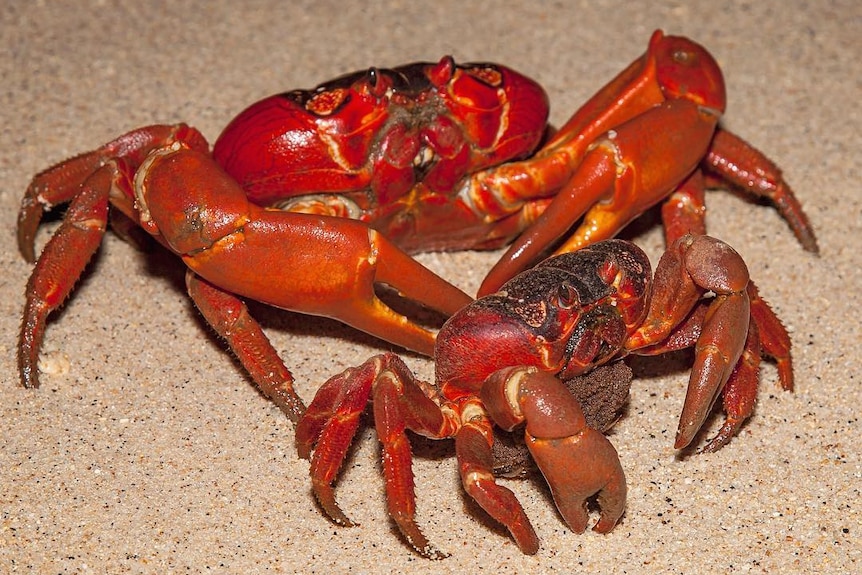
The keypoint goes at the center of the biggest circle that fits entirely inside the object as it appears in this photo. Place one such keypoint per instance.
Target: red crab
(308, 195)
(501, 359)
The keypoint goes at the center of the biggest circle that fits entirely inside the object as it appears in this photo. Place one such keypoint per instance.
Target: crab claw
(577, 461)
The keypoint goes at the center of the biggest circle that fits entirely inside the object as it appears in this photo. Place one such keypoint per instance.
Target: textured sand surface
(147, 450)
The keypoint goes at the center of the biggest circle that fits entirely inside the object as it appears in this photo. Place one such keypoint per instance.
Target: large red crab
(501, 359)
(310, 198)
(308, 195)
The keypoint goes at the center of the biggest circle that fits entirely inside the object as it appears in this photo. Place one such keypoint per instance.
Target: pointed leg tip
(326, 498)
(785, 374)
(31, 382)
(809, 242)
(431, 552)
(605, 525)
(337, 516)
(727, 432)
(418, 541)
(684, 436)
(28, 368)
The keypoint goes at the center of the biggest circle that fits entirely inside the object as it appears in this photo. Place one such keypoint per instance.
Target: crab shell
(384, 140)
(569, 314)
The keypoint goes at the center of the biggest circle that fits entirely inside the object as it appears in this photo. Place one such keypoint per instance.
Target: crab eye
(567, 296)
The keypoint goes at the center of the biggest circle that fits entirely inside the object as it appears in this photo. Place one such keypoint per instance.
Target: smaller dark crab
(501, 360)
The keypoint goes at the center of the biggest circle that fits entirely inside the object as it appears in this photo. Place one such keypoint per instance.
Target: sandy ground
(147, 450)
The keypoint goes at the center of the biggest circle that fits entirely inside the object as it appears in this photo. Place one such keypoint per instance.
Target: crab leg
(735, 161)
(740, 392)
(228, 315)
(683, 213)
(400, 403)
(620, 117)
(611, 188)
(62, 262)
(87, 182)
(692, 266)
(327, 428)
(765, 334)
(577, 461)
(475, 465)
(774, 339)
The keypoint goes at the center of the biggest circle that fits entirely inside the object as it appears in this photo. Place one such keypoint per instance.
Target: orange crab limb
(87, 182)
(399, 404)
(229, 317)
(766, 335)
(577, 461)
(163, 178)
(621, 176)
(311, 264)
(737, 162)
(692, 266)
(60, 264)
(475, 465)
(629, 148)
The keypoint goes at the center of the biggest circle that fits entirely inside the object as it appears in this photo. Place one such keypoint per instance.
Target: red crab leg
(683, 213)
(400, 403)
(740, 164)
(692, 266)
(62, 262)
(328, 428)
(229, 317)
(673, 68)
(475, 465)
(740, 393)
(87, 182)
(577, 461)
(766, 334)
(774, 339)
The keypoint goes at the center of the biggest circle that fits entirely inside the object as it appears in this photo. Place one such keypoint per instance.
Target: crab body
(389, 147)
(563, 317)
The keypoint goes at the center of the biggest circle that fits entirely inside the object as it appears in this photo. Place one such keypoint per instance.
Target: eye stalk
(374, 84)
(377, 83)
(441, 73)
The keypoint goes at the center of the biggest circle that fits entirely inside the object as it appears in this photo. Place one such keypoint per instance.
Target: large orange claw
(692, 266)
(319, 265)
(648, 137)
(577, 461)
(164, 179)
